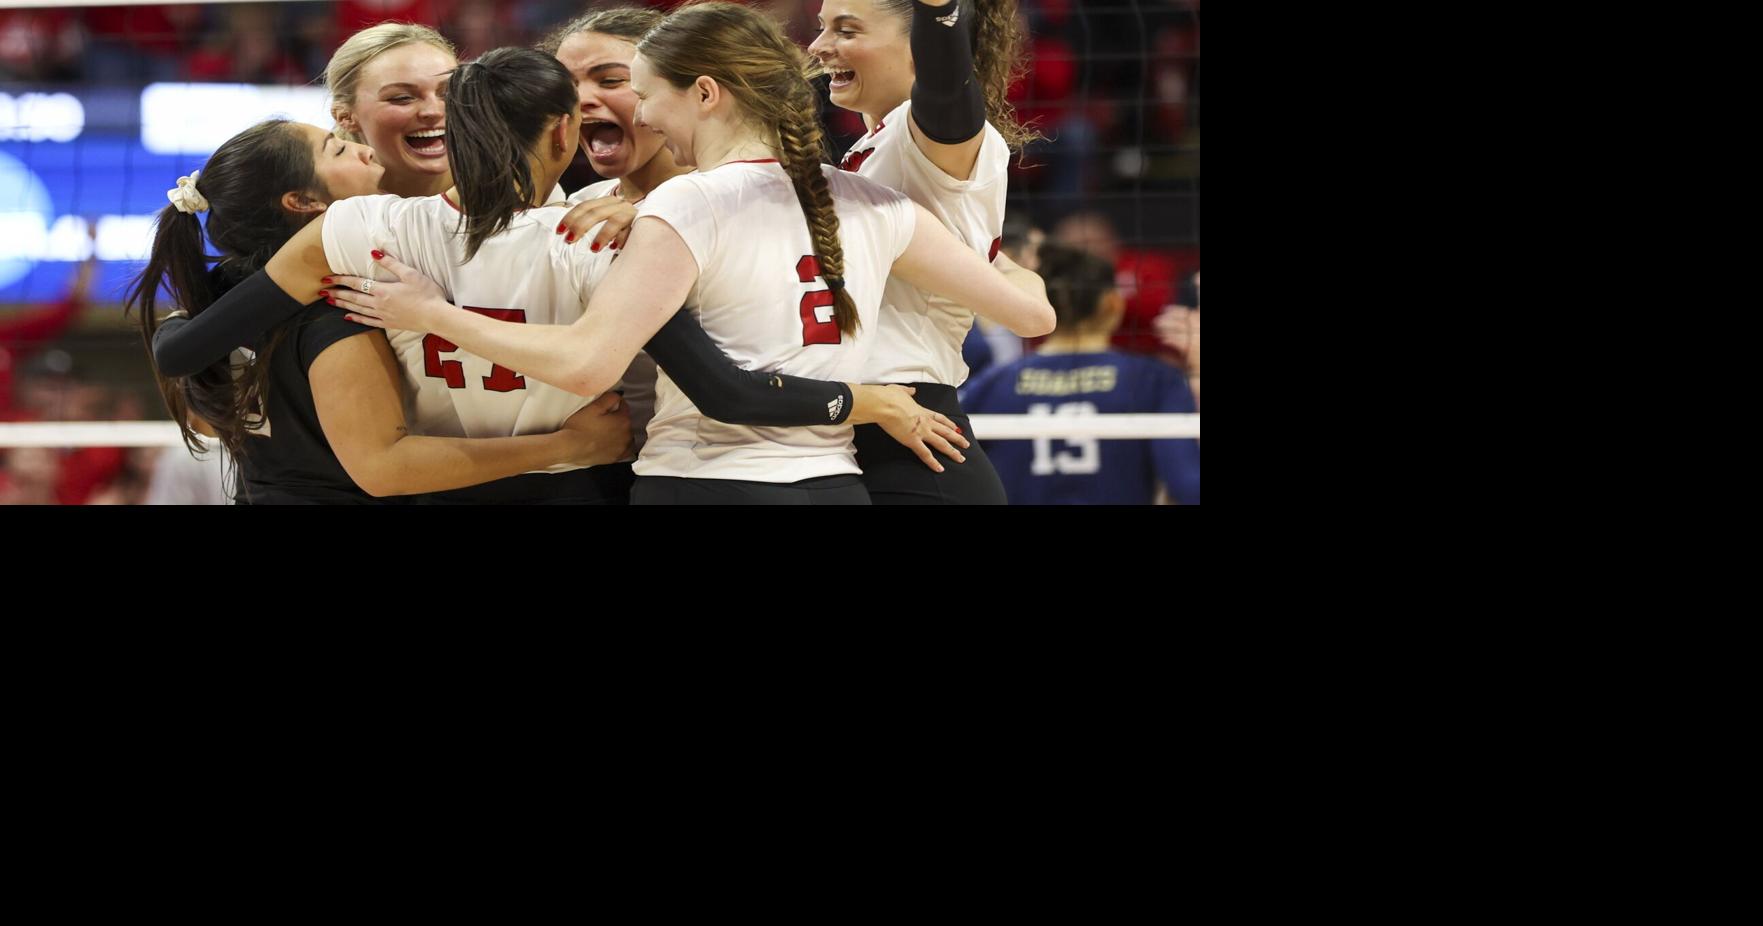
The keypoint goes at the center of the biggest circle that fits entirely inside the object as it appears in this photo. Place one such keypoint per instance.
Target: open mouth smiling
(429, 144)
(604, 140)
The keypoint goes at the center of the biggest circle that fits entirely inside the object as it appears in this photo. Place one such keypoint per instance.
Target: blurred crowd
(40, 382)
(1112, 86)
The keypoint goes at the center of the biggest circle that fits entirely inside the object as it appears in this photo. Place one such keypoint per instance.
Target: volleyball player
(929, 78)
(730, 94)
(386, 92)
(597, 49)
(385, 84)
(316, 417)
(1076, 374)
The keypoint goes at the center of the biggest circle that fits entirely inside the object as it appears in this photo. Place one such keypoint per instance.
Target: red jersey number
(501, 379)
(854, 161)
(818, 324)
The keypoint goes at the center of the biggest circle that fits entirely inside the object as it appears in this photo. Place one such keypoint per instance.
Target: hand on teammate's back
(615, 212)
(603, 430)
(409, 304)
(917, 428)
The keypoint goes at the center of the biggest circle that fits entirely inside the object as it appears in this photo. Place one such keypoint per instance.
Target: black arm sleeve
(185, 347)
(732, 395)
(947, 101)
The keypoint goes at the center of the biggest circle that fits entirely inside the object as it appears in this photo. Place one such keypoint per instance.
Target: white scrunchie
(185, 197)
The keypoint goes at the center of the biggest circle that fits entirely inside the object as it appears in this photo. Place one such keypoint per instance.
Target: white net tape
(1106, 427)
(990, 427)
(90, 434)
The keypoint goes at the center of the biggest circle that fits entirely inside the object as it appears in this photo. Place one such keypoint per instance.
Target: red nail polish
(378, 254)
(957, 429)
(595, 246)
(561, 229)
(326, 280)
(614, 245)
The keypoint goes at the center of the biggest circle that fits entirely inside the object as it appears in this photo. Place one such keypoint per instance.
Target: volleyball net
(104, 104)
(68, 434)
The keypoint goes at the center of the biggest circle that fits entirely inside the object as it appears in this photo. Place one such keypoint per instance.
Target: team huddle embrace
(409, 308)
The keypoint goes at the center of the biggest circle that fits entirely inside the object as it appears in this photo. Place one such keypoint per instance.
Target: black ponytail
(497, 107)
(243, 183)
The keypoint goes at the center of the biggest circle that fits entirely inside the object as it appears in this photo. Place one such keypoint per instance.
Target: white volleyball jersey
(921, 335)
(638, 382)
(760, 296)
(525, 274)
(594, 190)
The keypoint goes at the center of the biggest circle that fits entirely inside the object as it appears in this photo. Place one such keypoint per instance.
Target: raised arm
(938, 263)
(948, 105)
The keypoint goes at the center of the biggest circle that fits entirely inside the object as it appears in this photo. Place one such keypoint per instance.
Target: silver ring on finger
(367, 287)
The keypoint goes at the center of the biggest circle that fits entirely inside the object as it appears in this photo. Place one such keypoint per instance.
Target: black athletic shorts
(824, 490)
(609, 484)
(896, 476)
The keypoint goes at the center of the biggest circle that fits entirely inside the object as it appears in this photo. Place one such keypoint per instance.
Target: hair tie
(186, 197)
(833, 282)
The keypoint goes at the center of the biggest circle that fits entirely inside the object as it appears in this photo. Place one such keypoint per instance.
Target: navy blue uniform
(1088, 471)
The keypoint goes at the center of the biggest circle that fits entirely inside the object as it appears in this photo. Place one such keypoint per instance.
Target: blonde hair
(751, 59)
(343, 74)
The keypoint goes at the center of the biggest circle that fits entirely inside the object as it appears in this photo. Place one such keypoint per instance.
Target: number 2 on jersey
(818, 325)
(501, 379)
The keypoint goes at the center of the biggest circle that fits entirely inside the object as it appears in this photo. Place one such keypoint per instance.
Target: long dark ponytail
(243, 183)
(497, 106)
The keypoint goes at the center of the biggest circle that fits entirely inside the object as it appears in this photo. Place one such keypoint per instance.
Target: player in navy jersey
(1076, 375)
